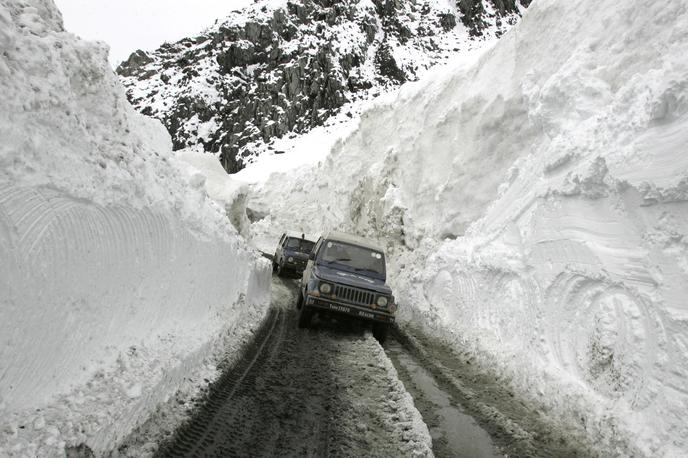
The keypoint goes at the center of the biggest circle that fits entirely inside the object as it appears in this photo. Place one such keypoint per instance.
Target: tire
(305, 317)
(280, 270)
(299, 301)
(274, 267)
(380, 331)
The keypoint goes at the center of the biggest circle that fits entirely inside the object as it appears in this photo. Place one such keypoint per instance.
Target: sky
(128, 25)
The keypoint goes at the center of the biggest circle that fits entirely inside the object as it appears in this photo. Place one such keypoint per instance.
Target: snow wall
(535, 205)
(119, 277)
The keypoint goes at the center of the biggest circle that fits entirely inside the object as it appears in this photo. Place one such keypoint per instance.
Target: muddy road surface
(454, 432)
(470, 413)
(334, 391)
(327, 391)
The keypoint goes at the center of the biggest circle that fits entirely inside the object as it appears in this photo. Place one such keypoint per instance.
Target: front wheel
(305, 317)
(380, 331)
(280, 270)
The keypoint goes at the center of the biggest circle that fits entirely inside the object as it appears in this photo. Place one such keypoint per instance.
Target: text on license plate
(340, 308)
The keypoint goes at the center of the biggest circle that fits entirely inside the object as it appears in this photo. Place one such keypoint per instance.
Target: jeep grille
(354, 295)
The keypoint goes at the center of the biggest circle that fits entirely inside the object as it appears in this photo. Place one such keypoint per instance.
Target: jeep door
(278, 251)
(309, 265)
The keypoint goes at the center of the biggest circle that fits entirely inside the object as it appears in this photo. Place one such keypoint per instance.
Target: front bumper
(366, 313)
(295, 266)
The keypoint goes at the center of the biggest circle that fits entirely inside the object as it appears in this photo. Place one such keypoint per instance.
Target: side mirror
(311, 256)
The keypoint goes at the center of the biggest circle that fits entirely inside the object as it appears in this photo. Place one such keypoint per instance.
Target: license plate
(366, 315)
(340, 308)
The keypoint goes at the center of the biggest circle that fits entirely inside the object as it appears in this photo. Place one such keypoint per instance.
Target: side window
(281, 240)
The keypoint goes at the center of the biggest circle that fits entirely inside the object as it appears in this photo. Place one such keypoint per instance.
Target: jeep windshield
(352, 258)
(301, 245)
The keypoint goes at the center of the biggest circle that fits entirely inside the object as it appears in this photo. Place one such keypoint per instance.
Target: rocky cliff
(287, 66)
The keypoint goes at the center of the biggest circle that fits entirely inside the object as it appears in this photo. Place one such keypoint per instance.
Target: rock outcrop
(479, 15)
(270, 69)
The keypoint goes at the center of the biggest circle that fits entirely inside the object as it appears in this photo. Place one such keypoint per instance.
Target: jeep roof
(352, 240)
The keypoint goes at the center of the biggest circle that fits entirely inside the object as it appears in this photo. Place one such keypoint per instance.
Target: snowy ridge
(534, 205)
(278, 68)
(120, 279)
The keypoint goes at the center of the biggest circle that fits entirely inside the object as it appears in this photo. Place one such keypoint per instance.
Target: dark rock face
(134, 64)
(264, 73)
(475, 17)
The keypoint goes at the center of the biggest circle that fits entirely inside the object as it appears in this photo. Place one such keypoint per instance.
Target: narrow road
(334, 391)
(328, 391)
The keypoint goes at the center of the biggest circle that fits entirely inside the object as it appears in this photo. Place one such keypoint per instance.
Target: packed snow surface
(535, 208)
(120, 277)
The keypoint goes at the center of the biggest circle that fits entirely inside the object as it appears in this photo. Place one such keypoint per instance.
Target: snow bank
(535, 204)
(230, 193)
(119, 276)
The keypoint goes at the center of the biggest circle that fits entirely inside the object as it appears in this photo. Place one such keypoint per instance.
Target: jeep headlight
(290, 259)
(325, 288)
(382, 301)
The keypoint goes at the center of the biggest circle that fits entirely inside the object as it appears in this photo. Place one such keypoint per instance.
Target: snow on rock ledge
(536, 207)
(119, 277)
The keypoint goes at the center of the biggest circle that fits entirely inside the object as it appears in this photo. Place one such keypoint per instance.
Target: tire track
(198, 437)
(328, 391)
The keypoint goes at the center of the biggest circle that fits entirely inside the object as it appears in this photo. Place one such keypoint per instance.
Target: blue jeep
(291, 254)
(346, 275)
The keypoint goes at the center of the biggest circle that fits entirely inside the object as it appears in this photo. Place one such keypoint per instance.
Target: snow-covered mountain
(535, 208)
(287, 66)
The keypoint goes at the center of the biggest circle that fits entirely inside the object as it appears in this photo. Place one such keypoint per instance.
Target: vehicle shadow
(340, 326)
